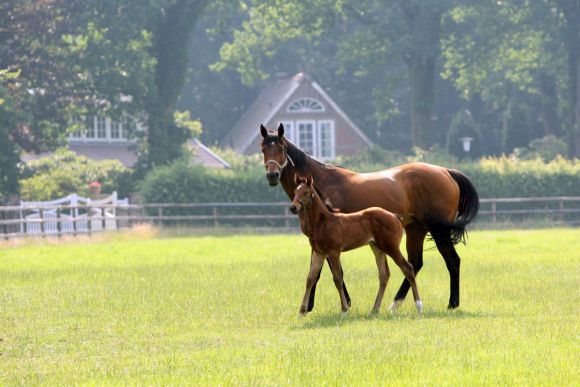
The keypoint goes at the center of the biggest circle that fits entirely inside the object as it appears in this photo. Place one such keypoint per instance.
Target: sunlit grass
(224, 310)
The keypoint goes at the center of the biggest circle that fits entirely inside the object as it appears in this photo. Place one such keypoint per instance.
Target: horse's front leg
(316, 263)
(334, 258)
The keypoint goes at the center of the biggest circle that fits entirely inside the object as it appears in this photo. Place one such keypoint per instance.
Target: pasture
(224, 310)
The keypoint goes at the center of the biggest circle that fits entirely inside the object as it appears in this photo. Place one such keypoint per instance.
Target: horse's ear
(296, 178)
(280, 131)
(263, 130)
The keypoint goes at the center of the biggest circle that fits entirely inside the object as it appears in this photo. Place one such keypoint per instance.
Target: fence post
(215, 217)
(58, 225)
(41, 217)
(286, 217)
(103, 219)
(493, 212)
(89, 220)
(159, 215)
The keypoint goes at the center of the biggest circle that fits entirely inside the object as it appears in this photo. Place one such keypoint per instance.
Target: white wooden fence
(76, 215)
(68, 215)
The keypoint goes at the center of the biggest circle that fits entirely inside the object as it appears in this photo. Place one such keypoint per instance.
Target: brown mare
(429, 198)
(330, 233)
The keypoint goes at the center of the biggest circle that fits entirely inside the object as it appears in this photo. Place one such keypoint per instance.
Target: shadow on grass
(313, 321)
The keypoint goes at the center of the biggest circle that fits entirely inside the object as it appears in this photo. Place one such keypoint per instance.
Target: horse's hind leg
(452, 261)
(415, 238)
(384, 275)
(316, 262)
(338, 280)
(409, 273)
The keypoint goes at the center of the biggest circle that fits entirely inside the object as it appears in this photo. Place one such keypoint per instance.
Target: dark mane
(299, 157)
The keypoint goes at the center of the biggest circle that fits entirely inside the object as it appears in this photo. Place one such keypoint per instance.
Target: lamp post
(466, 142)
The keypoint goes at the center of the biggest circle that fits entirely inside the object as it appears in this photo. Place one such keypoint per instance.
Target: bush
(64, 172)
(182, 182)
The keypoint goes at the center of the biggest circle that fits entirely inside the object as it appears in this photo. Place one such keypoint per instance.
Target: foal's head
(275, 150)
(303, 194)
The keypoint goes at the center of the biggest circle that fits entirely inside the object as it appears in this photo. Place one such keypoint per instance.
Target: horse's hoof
(344, 313)
(419, 306)
(395, 305)
(375, 311)
(453, 305)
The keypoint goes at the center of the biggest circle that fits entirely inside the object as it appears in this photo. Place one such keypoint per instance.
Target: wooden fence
(96, 217)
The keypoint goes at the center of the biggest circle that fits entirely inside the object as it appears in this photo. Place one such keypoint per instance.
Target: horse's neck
(323, 177)
(316, 212)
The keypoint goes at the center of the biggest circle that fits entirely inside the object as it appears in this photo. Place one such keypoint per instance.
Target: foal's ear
(309, 180)
(280, 131)
(296, 178)
(263, 130)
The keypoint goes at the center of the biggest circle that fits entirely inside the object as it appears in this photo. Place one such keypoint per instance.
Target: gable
(292, 100)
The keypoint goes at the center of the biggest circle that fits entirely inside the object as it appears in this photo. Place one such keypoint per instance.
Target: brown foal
(330, 233)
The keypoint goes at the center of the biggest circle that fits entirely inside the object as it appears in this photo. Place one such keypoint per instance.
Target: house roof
(268, 103)
(264, 107)
(127, 156)
(206, 156)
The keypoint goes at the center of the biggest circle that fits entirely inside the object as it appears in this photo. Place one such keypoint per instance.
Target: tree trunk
(171, 41)
(549, 110)
(422, 82)
(571, 37)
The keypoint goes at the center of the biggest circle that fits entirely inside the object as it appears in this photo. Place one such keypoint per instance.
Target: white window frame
(304, 108)
(314, 135)
(289, 130)
(320, 123)
(82, 135)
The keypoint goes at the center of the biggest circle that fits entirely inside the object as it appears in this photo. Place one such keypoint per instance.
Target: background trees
(409, 72)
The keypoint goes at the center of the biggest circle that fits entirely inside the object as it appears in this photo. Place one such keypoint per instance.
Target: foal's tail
(466, 211)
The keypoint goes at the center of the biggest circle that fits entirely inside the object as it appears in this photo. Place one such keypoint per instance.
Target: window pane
(325, 139)
(115, 132)
(91, 127)
(306, 137)
(101, 127)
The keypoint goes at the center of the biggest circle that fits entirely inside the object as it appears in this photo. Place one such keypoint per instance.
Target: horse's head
(275, 150)
(303, 194)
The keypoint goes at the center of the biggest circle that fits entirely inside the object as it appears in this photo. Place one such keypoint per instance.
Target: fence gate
(63, 216)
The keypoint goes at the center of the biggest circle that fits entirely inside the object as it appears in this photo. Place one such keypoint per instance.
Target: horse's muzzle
(273, 178)
(293, 209)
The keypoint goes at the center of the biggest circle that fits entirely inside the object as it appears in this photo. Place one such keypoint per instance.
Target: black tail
(466, 211)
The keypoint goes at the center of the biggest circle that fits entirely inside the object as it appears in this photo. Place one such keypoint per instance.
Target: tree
(372, 33)
(173, 27)
(520, 59)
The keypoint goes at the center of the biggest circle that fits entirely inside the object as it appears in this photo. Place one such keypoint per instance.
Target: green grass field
(224, 310)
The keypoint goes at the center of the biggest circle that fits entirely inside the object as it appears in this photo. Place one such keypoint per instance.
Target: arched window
(306, 105)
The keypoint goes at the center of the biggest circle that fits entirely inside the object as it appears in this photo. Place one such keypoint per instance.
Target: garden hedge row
(493, 177)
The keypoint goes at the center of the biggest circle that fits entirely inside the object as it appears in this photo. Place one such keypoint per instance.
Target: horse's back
(413, 190)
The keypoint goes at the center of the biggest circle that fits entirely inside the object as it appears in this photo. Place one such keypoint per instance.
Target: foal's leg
(338, 280)
(409, 273)
(384, 275)
(313, 292)
(316, 262)
(415, 238)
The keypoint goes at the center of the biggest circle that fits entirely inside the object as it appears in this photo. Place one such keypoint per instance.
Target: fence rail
(97, 217)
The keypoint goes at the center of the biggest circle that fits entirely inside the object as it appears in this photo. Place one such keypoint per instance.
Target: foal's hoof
(395, 305)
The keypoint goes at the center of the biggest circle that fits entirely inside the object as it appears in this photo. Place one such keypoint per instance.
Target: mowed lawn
(224, 310)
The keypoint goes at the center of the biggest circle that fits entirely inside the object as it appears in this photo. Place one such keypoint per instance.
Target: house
(105, 138)
(312, 120)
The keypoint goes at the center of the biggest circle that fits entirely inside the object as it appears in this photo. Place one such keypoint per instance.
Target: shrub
(64, 172)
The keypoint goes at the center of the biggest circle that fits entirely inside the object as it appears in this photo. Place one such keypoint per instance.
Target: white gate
(47, 215)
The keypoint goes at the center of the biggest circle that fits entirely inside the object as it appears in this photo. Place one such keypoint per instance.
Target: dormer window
(306, 105)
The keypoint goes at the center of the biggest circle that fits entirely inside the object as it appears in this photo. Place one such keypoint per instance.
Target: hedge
(182, 182)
